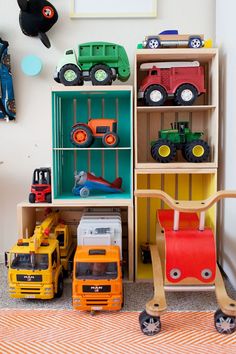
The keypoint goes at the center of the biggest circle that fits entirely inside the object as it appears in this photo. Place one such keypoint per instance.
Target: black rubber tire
(77, 81)
(90, 137)
(180, 101)
(189, 154)
(155, 151)
(32, 198)
(153, 43)
(106, 69)
(145, 320)
(224, 324)
(48, 198)
(110, 145)
(147, 95)
(195, 42)
(60, 287)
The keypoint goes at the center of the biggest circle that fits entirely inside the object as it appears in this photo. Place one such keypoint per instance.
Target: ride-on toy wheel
(110, 139)
(81, 136)
(195, 42)
(149, 325)
(224, 324)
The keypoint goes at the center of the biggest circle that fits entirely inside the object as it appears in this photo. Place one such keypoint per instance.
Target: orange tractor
(82, 135)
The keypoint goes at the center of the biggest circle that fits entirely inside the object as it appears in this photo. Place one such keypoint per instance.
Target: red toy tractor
(82, 135)
(184, 259)
(41, 186)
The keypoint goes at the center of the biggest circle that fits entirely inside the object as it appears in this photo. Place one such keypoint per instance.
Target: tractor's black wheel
(70, 75)
(49, 198)
(153, 43)
(101, 75)
(110, 139)
(163, 150)
(32, 198)
(224, 324)
(60, 287)
(81, 136)
(197, 151)
(185, 95)
(149, 325)
(155, 95)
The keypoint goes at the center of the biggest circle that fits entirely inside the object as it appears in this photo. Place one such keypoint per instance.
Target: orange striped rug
(71, 332)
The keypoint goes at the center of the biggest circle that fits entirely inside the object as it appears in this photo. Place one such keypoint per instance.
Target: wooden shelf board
(93, 149)
(175, 171)
(89, 88)
(203, 55)
(155, 166)
(78, 203)
(143, 109)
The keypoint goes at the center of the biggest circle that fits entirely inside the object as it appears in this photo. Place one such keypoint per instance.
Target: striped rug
(71, 332)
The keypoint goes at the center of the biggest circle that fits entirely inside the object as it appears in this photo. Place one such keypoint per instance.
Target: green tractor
(180, 137)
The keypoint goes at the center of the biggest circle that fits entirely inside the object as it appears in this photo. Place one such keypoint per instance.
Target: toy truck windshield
(26, 261)
(96, 270)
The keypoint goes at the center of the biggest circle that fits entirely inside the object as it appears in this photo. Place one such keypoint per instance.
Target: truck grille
(96, 288)
(96, 302)
(29, 278)
(30, 291)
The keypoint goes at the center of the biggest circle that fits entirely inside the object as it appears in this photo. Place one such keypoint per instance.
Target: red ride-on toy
(184, 259)
(82, 135)
(41, 186)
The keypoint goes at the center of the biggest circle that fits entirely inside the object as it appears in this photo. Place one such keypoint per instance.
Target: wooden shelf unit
(203, 116)
(180, 179)
(29, 215)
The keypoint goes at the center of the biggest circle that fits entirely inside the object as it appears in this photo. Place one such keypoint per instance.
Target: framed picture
(113, 8)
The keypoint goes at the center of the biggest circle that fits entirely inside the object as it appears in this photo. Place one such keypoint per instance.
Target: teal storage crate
(73, 105)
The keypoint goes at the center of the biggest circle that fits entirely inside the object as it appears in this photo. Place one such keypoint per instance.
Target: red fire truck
(182, 81)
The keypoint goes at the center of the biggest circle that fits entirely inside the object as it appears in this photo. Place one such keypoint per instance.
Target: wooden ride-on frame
(208, 279)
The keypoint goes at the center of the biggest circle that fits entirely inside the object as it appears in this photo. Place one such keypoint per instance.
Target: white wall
(225, 33)
(25, 144)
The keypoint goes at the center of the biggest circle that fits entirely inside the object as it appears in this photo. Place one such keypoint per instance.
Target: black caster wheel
(224, 324)
(149, 325)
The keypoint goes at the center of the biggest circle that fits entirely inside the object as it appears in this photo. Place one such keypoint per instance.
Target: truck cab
(97, 279)
(35, 275)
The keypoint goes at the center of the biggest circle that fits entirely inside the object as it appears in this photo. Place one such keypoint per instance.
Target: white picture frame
(113, 8)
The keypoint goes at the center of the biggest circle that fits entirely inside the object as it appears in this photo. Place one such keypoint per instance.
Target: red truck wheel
(81, 136)
(185, 95)
(155, 95)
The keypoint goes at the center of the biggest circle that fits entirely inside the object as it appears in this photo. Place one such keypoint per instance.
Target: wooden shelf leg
(226, 304)
(157, 305)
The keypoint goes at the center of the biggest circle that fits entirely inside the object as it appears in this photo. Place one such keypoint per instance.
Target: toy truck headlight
(116, 300)
(76, 301)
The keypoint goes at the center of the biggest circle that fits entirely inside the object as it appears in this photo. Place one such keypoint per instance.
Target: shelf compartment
(181, 185)
(108, 164)
(208, 58)
(30, 215)
(149, 122)
(71, 107)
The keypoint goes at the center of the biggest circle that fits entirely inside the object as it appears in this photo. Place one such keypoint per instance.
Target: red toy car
(183, 81)
(41, 186)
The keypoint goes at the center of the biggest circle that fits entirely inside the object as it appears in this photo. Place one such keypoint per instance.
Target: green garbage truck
(99, 62)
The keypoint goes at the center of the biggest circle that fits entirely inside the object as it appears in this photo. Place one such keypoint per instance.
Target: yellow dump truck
(36, 264)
